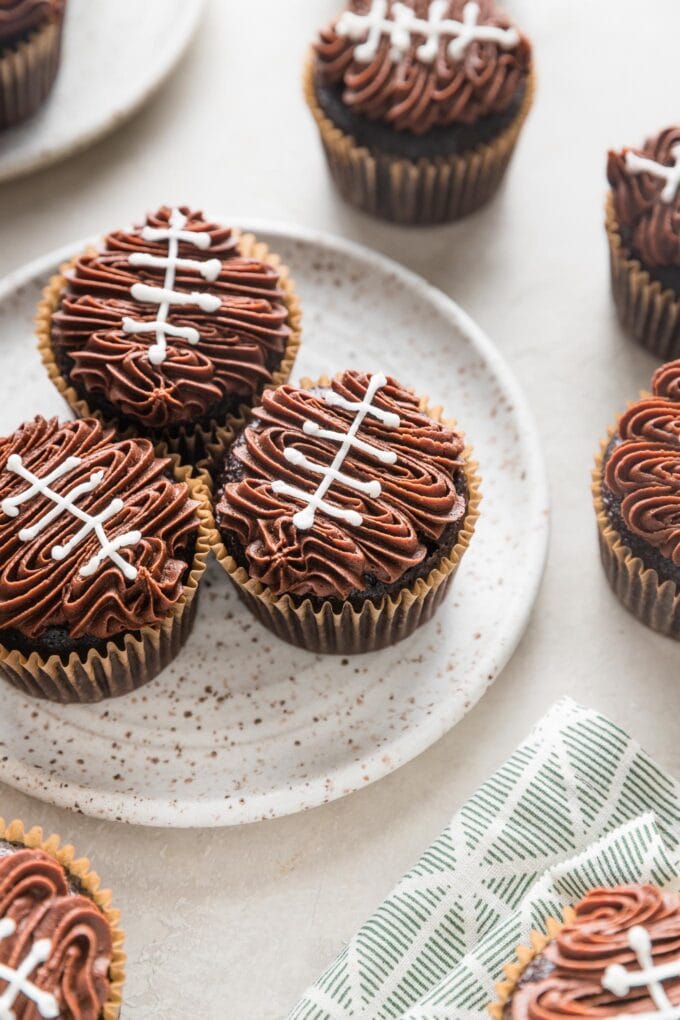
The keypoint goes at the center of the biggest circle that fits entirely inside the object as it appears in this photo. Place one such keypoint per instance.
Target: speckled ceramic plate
(133, 44)
(242, 726)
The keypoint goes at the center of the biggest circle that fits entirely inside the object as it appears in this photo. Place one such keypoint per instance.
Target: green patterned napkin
(578, 804)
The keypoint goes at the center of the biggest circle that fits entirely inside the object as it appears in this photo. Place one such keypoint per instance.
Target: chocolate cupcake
(643, 227)
(343, 510)
(616, 954)
(636, 487)
(30, 48)
(170, 329)
(419, 104)
(102, 545)
(61, 946)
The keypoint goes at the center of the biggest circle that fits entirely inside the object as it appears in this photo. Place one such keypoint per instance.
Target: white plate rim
(11, 169)
(136, 810)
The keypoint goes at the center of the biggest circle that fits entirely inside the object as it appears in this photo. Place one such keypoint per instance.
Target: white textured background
(235, 923)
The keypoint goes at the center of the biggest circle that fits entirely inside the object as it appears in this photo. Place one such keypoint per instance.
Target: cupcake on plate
(102, 545)
(419, 104)
(30, 48)
(636, 488)
(170, 329)
(61, 945)
(643, 227)
(616, 954)
(343, 509)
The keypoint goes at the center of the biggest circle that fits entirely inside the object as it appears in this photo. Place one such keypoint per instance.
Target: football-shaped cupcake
(419, 104)
(170, 329)
(102, 544)
(343, 510)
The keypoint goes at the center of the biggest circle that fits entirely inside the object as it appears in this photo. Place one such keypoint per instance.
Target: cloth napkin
(578, 804)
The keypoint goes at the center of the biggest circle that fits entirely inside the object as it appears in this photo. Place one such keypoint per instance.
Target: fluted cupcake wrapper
(653, 601)
(78, 868)
(27, 73)
(134, 658)
(525, 955)
(374, 625)
(426, 191)
(649, 313)
(189, 441)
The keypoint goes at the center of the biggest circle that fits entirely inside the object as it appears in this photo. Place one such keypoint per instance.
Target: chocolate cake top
(620, 956)
(421, 64)
(94, 532)
(55, 945)
(643, 468)
(169, 323)
(330, 490)
(645, 186)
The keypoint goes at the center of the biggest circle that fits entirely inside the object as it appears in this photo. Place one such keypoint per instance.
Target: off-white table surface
(235, 923)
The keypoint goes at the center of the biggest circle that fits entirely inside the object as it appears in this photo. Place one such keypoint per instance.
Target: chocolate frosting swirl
(643, 470)
(35, 895)
(651, 225)
(666, 381)
(241, 343)
(410, 95)
(417, 501)
(37, 591)
(582, 951)
(19, 17)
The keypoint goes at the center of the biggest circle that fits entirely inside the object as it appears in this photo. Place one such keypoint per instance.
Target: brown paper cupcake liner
(135, 658)
(190, 442)
(375, 625)
(649, 313)
(525, 955)
(27, 73)
(653, 601)
(426, 191)
(79, 869)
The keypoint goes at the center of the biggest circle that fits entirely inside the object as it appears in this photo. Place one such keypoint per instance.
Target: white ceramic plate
(116, 53)
(242, 726)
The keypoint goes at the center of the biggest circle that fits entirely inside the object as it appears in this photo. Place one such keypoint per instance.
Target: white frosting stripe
(365, 407)
(144, 292)
(18, 979)
(670, 174)
(209, 270)
(620, 981)
(166, 296)
(10, 507)
(312, 428)
(67, 504)
(199, 238)
(185, 332)
(298, 458)
(404, 24)
(61, 503)
(304, 519)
